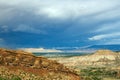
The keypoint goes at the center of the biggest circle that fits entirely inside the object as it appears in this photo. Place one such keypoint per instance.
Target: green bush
(96, 78)
(1, 78)
(16, 78)
(98, 73)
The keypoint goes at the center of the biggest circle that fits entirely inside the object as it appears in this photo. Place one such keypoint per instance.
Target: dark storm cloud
(71, 22)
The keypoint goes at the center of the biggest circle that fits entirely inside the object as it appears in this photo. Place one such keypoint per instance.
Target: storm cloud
(38, 23)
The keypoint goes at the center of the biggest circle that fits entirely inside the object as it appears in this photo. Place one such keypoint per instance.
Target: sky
(59, 23)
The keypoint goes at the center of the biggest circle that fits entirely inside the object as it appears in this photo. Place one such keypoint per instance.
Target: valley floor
(102, 65)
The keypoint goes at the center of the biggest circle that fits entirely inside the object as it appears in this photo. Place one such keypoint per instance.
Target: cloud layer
(69, 22)
(40, 50)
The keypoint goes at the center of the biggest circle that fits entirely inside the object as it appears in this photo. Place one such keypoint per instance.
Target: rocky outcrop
(104, 52)
(99, 58)
(16, 58)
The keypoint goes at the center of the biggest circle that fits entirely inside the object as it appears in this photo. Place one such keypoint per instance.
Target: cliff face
(99, 58)
(28, 62)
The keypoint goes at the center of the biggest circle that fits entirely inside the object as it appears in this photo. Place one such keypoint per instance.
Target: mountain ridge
(109, 47)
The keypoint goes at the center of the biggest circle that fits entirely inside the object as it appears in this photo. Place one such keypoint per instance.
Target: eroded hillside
(15, 62)
(99, 58)
(101, 65)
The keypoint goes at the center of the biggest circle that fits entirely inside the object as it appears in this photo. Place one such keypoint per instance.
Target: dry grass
(33, 74)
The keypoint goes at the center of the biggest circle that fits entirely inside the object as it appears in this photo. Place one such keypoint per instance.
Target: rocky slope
(40, 66)
(99, 58)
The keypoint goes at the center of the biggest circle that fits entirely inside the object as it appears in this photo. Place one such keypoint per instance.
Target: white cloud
(113, 26)
(104, 36)
(51, 12)
(97, 37)
(79, 8)
(40, 50)
(66, 9)
(108, 14)
(86, 11)
(107, 33)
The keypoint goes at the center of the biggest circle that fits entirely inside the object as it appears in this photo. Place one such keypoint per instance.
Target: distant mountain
(87, 49)
(91, 48)
(110, 47)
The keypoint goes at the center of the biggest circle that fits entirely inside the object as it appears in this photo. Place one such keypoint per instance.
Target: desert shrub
(98, 73)
(1, 78)
(96, 78)
(16, 78)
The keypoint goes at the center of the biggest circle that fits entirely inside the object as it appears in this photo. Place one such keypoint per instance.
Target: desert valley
(21, 65)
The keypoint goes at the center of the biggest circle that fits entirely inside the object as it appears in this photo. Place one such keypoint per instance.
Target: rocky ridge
(99, 58)
(37, 65)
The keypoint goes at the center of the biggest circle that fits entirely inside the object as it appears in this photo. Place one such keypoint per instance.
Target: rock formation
(99, 58)
(21, 59)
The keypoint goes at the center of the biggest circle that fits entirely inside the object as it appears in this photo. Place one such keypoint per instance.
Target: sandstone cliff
(99, 58)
